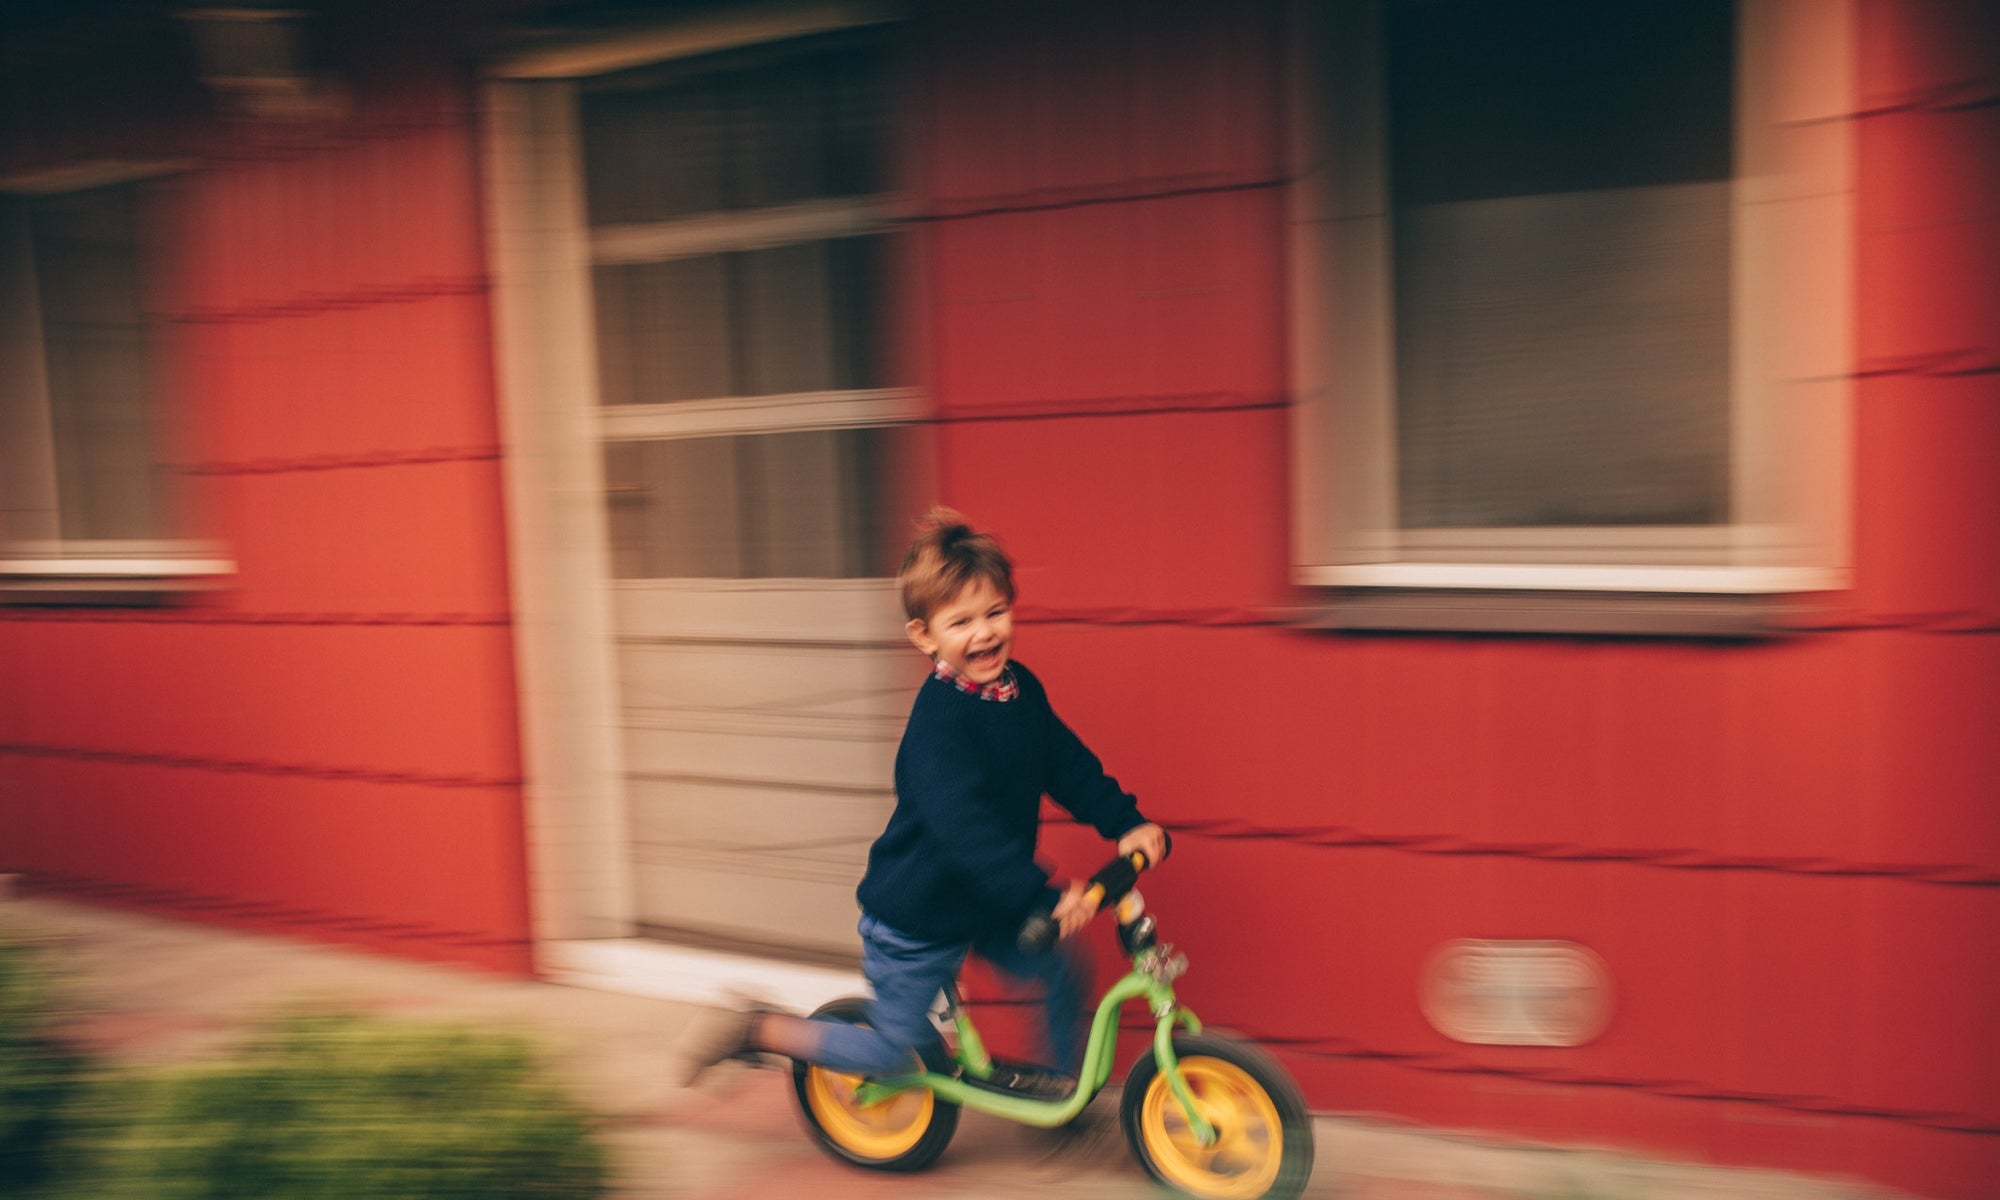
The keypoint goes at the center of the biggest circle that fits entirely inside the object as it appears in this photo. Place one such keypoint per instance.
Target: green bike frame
(1144, 982)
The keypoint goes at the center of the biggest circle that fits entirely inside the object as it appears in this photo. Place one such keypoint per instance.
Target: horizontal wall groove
(1109, 406)
(724, 641)
(865, 728)
(1678, 858)
(1348, 1049)
(264, 911)
(1056, 199)
(1964, 362)
(257, 766)
(280, 146)
(761, 862)
(197, 616)
(1968, 621)
(1030, 614)
(1677, 1089)
(310, 304)
(1967, 95)
(364, 460)
(747, 784)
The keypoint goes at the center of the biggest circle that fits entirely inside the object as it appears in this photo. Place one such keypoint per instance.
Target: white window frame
(1791, 294)
(41, 566)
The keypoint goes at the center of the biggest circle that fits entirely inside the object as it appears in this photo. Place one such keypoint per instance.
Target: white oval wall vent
(1516, 993)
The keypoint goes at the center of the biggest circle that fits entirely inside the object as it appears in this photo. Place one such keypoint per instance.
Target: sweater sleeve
(1077, 781)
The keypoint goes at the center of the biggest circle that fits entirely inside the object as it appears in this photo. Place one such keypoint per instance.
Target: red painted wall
(1787, 853)
(330, 743)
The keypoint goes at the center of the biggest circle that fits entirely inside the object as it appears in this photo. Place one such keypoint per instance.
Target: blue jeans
(907, 974)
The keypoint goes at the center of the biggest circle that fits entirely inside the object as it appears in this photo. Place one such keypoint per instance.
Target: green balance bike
(1208, 1115)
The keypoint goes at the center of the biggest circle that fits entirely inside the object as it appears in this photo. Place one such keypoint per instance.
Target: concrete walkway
(155, 991)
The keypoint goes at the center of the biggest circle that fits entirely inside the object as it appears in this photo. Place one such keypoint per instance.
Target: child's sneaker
(1042, 1085)
(721, 1040)
(1029, 1082)
(714, 1042)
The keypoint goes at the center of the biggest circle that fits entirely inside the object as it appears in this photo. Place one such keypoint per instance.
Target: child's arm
(1077, 782)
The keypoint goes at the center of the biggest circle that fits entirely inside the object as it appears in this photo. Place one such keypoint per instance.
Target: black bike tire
(1295, 1134)
(936, 1136)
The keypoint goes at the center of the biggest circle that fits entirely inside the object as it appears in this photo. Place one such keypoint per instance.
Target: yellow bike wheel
(1263, 1149)
(904, 1132)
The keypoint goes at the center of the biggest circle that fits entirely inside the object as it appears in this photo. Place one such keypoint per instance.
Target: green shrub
(346, 1108)
(39, 1074)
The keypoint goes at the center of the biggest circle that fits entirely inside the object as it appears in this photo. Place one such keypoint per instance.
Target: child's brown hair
(947, 555)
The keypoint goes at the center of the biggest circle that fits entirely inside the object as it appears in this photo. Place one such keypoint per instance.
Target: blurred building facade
(1515, 487)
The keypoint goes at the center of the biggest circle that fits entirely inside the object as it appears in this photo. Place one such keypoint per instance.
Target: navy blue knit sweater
(957, 860)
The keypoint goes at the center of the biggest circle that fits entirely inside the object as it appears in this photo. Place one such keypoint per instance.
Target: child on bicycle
(954, 871)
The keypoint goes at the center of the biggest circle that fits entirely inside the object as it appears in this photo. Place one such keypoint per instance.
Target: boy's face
(972, 632)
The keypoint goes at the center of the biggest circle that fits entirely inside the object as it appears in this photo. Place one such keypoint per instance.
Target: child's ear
(920, 636)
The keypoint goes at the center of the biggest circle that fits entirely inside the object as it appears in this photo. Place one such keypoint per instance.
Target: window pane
(860, 310)
(810, 127)
(795, 502)
(806, 504)
(770, 126)
(797, 318)
(651, 153)
(675, 509)
(1527, 97)
(96, 348)
(812, 312)
(788, 320)
(782, 131)
(1563, 360)
(663, 330)
(1559, 177)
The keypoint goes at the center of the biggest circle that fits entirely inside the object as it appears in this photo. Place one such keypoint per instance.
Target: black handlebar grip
(1115, 878)
(1038, 933)
(1112, 881)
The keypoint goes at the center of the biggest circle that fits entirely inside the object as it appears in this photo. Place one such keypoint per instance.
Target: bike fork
(1170, 1068)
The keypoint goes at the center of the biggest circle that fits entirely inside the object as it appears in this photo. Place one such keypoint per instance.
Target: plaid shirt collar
(1002, 689)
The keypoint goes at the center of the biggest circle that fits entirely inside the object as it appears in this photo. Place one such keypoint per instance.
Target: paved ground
(153, 991)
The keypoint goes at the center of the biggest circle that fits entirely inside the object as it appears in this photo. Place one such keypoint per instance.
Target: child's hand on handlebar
(1083, 897)
(1148, 839)
(1076, 908)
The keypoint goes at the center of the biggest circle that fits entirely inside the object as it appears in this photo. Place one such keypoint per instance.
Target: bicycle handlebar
(1115, 878)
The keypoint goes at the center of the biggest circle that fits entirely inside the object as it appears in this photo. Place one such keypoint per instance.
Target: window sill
(1599, 613)
(108, 579)
(1575, 577)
